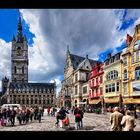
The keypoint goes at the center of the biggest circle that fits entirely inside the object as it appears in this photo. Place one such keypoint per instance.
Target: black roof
(113, 56)
(32, 86)
(76, 60)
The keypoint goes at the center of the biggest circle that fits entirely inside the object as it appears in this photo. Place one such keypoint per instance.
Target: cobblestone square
(91, 121)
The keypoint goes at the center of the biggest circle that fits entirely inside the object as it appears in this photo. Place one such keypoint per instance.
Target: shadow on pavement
(85, 128)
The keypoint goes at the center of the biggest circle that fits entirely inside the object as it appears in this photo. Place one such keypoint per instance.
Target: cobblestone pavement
(91, 121)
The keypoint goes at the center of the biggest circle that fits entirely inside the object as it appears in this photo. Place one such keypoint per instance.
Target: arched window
(27, 101)
(39, 101)
(48, 101)
(44, 101)
(125, 74)
(35, 101)
(23, 101)
(15, 69)
(31, 100)
(137, 73)
(22, 70)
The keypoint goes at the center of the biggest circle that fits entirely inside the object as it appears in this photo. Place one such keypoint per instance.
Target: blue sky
(95, 32)
(8, 24)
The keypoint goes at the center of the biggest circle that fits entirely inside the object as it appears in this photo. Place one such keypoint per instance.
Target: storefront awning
(81, 103)
(94, 101)
(131, 101)
(112, 100)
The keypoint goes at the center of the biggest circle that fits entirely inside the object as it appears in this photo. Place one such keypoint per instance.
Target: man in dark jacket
(62, 113)
(12, 116)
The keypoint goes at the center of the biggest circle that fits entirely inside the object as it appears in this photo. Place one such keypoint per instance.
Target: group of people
(23, 115)
(122, 121)
(63, 119)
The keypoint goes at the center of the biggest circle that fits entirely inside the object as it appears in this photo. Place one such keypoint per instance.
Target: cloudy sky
(87, 31)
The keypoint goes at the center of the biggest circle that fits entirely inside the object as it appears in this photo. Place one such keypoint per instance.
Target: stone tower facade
(19, 57)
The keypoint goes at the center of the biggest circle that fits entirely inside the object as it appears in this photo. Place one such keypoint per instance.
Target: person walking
(81, 115)
(115, 120)
(77, 118)
(128, 122)
(39, 115)
(12, 116)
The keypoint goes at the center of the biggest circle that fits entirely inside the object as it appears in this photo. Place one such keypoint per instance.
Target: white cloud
(58, 83)
(87, 31)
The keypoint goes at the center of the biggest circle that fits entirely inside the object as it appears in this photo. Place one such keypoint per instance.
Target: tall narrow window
(27, 101)
(35, 101)
(22, 70)
(15, 79)
(48, 101)
(125, 61)
(133, 57)
(117, 86)
(75, 90)
(23, 101)
(137, 73)
(31, 100)
(137, 56)
(15, 69)
(125, 74)
(76, 77)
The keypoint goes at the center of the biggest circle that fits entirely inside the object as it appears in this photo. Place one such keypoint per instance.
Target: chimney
(109, 55)
(87, 56)
(128, 39)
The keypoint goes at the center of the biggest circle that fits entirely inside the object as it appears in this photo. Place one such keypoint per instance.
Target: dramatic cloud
(86, 31)
(5, 59)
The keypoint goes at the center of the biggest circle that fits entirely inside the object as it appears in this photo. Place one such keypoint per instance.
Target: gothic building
(18, 90)
(75, 89)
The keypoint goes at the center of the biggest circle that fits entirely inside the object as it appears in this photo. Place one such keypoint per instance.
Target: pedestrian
(8, 113)
(115, 120)
(13, 114)
(77, 118)
(62, 115)
(128, 122)
(39, 115)
(31, 114)
(81, 115)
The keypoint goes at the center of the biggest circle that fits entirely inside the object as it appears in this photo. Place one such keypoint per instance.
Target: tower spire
(19, 23)
(19, 35)
(68, 51)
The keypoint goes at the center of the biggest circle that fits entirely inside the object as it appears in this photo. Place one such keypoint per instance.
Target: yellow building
(112, 79)
(131, 69)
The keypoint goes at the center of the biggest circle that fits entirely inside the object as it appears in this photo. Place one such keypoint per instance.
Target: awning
(131, 101)
(112, 100)
(94, 101)
(81, 103)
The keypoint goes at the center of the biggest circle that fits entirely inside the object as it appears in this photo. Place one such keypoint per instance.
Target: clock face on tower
(137, 45)
(19, 51)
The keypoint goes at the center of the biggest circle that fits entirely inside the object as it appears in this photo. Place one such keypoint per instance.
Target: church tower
(19, 57)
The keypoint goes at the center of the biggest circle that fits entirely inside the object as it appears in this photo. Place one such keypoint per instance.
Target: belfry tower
(19, 57)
